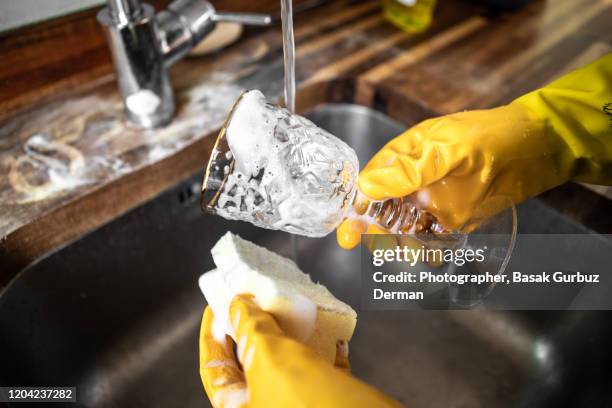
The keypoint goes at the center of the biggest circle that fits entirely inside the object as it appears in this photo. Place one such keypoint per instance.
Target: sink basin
(117, 313)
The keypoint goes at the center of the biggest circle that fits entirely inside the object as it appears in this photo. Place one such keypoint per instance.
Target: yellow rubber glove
(469, 165)
(276, 371)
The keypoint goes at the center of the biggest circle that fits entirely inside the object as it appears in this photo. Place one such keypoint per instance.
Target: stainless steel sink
(117, 313)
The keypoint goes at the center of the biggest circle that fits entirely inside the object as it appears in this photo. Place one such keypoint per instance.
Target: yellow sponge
(305, 310)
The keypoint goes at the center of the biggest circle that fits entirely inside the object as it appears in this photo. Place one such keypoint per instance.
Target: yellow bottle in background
(410, 15)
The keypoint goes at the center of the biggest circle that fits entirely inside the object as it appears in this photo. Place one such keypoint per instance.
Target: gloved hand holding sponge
(291, 335)
(468, 165)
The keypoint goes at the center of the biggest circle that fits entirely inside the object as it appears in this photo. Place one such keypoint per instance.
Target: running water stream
(289, 62)
(288, 53)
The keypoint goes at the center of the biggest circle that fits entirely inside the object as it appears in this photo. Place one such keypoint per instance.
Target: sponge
(306, 311)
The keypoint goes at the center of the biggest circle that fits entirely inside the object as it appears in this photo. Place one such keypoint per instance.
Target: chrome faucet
(144, 44)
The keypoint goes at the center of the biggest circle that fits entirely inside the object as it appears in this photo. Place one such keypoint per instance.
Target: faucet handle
(243, 18)
(186, 22)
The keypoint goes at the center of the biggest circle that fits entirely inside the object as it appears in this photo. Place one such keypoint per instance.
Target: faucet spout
(144, 44)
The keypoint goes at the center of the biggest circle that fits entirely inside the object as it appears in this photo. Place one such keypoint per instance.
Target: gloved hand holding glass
(280, 171)
(467, 166)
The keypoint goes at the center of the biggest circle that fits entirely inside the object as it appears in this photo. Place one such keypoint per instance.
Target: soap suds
(47, 167)
(161, 152)
(143, 102)
(305, 312)
(218, 333)
(231, 397)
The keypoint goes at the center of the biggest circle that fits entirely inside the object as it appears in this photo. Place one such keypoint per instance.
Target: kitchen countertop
(70, 163)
